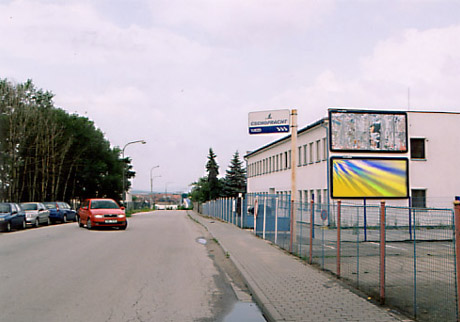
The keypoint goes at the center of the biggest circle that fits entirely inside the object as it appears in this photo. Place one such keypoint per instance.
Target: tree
(235, 178)
(200, 190)
(213, 171)
(47, 154)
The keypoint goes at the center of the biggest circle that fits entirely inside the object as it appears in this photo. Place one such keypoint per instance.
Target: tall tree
(213, 171)
(235, 178)
(47, 154)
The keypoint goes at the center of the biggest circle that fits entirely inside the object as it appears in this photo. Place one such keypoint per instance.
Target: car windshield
(103, 204)
(4, 208)
(29, 206)
(50, 205)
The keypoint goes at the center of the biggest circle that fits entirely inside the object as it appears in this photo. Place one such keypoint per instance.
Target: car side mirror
(122, 208)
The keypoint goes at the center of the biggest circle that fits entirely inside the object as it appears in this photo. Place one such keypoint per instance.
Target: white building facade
(433, 140)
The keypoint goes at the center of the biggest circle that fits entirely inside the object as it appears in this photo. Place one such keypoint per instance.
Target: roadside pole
(293, 239)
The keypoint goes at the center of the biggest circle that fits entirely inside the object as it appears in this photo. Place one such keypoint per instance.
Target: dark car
(60, 211)
(260, 210)
(12, 216)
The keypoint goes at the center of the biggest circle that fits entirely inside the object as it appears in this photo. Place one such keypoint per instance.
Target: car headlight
(121, 216)
(99, 216)
(2, 219)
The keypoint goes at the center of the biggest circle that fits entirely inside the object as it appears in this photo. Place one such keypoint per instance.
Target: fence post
(457, 251)
(256, 209)
(265, 217)
(339, 216)
(311, 232)
(276, 219)
(382, 252)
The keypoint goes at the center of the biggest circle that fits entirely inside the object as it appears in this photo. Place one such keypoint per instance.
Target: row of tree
(211, 187)
(48, 154)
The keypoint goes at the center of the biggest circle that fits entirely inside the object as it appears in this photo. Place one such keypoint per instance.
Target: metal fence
(403, 257)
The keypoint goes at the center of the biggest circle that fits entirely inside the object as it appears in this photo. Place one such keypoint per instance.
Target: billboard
(369, 177)
(265, 122)
(367, 131)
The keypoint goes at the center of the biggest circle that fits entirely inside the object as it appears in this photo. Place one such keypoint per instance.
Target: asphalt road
(154, 271)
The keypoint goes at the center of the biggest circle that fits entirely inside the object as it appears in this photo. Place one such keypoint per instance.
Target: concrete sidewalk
(285, 288)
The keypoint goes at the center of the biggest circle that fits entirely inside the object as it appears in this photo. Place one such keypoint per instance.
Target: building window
(419, 198)
(300, 156)
(417, 148)
(325, 148)
(285, 160)
(311, 152)
(305, 154)
(318, 154)
(290, 159)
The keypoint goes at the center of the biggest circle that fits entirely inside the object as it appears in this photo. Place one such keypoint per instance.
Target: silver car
(36, 213)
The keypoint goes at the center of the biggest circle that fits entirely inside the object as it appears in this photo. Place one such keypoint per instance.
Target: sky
(184, 74)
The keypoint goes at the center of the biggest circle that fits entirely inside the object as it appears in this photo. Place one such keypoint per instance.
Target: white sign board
(264, 122)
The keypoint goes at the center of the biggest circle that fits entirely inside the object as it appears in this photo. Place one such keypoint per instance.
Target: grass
(130, 212)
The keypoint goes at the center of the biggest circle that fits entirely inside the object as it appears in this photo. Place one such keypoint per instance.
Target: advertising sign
(264, 122)
(368, 131)
(369, 178)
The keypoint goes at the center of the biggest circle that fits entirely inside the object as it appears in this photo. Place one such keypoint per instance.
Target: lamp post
(151, 184)
(124, 168)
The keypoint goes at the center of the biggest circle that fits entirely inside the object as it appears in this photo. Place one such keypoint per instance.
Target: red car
(101, 213)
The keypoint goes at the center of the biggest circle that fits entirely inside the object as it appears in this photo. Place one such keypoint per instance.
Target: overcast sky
(183, 75)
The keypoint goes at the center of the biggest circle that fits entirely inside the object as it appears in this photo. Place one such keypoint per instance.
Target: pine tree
(235, 178)
(213, 171)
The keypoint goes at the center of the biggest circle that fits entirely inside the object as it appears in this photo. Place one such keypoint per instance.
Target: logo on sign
(277, 121)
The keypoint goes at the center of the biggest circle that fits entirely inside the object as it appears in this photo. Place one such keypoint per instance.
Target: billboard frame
(332, 147)
(331, 179)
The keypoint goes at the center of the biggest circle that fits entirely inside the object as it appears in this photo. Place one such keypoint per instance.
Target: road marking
(389, 246)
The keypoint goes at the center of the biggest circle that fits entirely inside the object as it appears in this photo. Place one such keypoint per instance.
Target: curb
(268, 310)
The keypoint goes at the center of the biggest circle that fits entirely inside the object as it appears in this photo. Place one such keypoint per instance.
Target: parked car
(36, 213)
(12, 216)
(101, 213)
(60, 211)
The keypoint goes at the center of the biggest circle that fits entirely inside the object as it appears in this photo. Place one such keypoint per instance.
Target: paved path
(286, 288)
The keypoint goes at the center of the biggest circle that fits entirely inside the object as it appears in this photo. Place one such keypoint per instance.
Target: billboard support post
(293, 177)
(457, 249)
(339, 218)
(382, 252)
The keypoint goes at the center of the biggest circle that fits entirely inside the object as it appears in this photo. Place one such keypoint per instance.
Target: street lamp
(151, 183)
(124, 167)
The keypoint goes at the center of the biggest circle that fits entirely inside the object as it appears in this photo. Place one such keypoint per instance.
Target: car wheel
(24, 225)
(8, 226)
(64, 219)
(124, 226)
(79, 222)
(88, 224)
(37, 223)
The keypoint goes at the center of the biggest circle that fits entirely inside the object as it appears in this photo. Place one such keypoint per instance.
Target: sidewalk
(285, 288)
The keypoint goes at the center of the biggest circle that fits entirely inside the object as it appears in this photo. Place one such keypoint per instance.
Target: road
(156, 270)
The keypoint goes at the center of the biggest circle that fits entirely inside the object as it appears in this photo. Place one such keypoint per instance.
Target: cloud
(184, 74)
(239, 23)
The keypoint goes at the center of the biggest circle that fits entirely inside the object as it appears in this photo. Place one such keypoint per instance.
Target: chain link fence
(413, 248)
